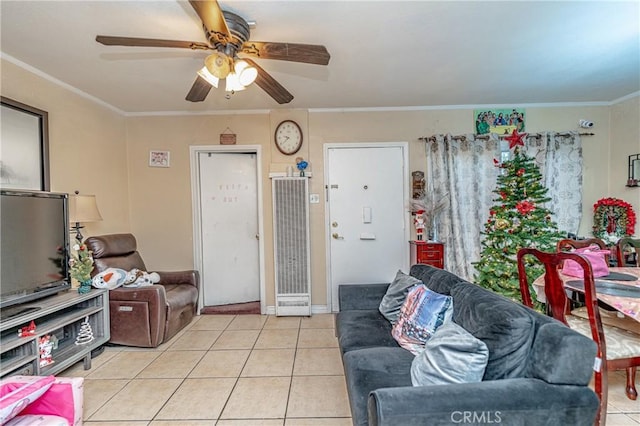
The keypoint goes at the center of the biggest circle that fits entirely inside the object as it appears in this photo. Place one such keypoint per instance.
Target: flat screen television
(34, 234)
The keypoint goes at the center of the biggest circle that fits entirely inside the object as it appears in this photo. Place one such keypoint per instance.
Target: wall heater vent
(291, 245)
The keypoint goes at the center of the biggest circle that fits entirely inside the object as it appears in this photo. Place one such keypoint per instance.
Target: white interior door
(229, 227)
(367, 226)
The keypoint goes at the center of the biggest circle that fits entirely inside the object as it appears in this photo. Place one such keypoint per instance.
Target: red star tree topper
(515, 139)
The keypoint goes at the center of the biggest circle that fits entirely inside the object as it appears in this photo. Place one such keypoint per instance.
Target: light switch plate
(314, 198)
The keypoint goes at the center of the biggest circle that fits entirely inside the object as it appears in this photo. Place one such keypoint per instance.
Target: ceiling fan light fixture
(233, 83)
(246, 73)
(208, 77)
(218, 65)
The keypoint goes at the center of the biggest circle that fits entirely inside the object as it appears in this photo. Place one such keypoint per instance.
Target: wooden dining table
(629, 305)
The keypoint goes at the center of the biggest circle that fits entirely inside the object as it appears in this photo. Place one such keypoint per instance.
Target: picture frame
(159, 158)
(24, 155)
(501, 121)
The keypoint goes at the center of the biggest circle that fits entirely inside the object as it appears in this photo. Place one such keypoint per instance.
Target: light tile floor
(223, 370)
(244, 370)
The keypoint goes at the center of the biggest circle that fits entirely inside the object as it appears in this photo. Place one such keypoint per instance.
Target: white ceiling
(383, 53)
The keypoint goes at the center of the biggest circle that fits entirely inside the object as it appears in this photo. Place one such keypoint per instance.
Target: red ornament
(520, 172)
(503, 195)
(525, 207)
(515, 139)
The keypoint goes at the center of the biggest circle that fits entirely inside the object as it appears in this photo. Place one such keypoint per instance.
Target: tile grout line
(293, 366)
(235, 384)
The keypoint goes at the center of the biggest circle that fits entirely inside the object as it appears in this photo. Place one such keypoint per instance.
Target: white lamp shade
(233, 83)
(83, 208)
(246, 73)
(208, 77)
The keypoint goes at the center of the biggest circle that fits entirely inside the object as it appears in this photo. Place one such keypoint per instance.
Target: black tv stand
(14, 311)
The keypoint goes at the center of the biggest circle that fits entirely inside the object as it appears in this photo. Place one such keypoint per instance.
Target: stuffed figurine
(139, 278)
(110, 278)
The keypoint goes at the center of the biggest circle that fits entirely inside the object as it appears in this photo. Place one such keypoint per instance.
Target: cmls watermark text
(476, 417)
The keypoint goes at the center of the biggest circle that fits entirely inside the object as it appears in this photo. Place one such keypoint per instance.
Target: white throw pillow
(452, 355)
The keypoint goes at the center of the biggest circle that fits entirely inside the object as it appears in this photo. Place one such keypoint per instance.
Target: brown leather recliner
(150, 315)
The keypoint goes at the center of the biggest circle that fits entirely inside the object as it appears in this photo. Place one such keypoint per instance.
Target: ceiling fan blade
(211, 16)
(270, 85)
(294, 52)
(199, 90)
(150, 42)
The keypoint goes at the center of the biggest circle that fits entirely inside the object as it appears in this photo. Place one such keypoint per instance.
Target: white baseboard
(315, 309)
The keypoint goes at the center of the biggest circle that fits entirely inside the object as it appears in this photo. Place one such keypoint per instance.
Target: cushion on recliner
(112, 245)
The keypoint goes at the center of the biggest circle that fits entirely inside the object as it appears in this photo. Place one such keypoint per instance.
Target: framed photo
(499, 121)
(24, 152)
(159, 159)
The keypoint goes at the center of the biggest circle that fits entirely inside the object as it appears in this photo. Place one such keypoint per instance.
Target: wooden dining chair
(631, 244)
(623, 351)
(568, 244)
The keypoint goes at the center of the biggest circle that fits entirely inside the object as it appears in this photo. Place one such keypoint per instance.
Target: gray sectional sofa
(537, 373)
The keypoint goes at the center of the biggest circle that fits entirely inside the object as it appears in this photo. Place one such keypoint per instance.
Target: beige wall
(625, 141)
(87, 145)
(152, 188)
(98, 151)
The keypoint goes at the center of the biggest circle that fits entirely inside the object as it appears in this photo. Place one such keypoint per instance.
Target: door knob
(337, 236)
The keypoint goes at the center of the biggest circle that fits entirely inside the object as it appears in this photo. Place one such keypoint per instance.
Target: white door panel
(229, 225)
(367, 215)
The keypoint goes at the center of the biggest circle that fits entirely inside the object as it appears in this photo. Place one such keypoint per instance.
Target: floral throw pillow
(421, 314)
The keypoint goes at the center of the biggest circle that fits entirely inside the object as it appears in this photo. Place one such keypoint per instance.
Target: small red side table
(427, 252)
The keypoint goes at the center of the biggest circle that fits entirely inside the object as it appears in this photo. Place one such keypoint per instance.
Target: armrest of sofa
(507, 401)
(180, 277)
(361, 296)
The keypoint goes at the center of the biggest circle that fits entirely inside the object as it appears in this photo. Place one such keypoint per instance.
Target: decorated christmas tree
(517, 219)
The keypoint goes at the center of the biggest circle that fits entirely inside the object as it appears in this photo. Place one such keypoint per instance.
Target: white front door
(367, 190)
(229, 227)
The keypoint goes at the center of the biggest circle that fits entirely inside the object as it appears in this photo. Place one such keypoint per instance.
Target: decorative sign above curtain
(499, 121)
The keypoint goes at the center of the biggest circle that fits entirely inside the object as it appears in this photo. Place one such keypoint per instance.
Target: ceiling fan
(228, 35)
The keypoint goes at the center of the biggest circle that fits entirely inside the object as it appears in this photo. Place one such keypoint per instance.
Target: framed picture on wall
(159, 159)
(500, 121)
(24, 152)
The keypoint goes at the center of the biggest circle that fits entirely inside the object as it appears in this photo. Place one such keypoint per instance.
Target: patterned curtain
(462, 169)
(559, 157)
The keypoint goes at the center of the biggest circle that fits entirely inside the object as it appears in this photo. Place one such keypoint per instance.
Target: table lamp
(82, 208)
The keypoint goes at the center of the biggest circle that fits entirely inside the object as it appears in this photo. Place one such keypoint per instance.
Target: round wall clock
(288, 137)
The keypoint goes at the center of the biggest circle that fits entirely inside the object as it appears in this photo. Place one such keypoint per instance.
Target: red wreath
(612, 215)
